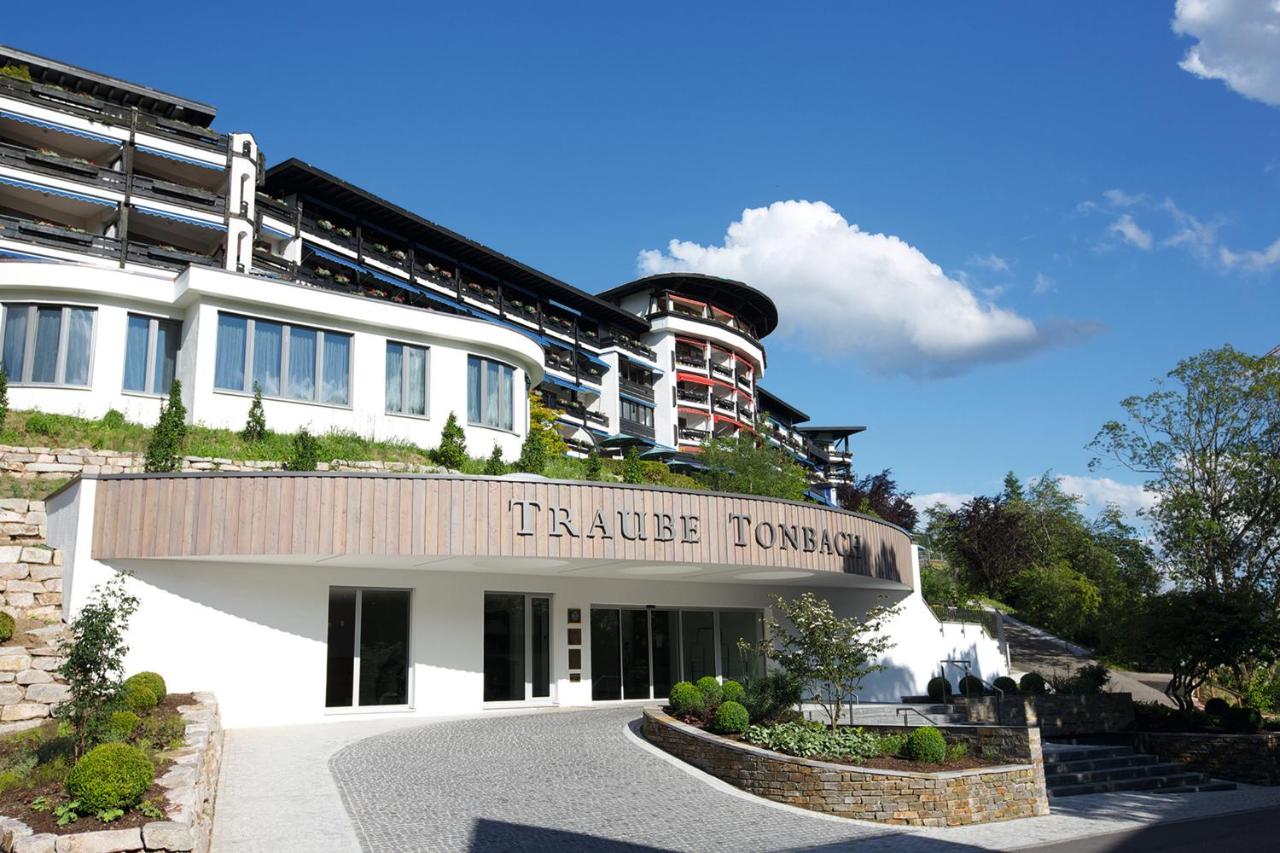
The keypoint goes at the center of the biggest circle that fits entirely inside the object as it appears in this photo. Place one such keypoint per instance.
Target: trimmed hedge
(939, 689)
(732, 691)
(712, 692)
(1033, 683)
(1217, 706)
(925, 745)
(110, 776)
(731, 718)
(971, 685)
(152, 681)
(138, 697)
(122, 724)
(685, 698)
(1007, 684)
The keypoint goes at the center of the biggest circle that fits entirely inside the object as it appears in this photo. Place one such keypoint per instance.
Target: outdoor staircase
(1072, 769)
(888, 714)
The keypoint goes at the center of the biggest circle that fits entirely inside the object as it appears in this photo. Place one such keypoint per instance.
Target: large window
(294, 362)
(150, 354)
(489, 393)
(367, 648)
(48, 344)
(517, 647)
(634, 412)
(406, 379)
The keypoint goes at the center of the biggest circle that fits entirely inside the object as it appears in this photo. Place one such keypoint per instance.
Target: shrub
(1242, 720)
(685, 698)
(17, 72)
(925, 745)
(494, 466)
(772, 697)
(255, 426)
(122, 724)
(533, 454)
(632, 467)
(1007, 684)
(1085, 681)
(1217, 706)
(1032, 683)
(595, 468)
(731, 718)
(891, 745)
(971, 685)
(957, 751)
(151, 680)
(712, 692)
(732, 691)
(939, 689)
(162, 732)
(110, 776)
(42, 424)
(138, 697)
(304, 453)
(6, 626)
(164, 449)
(452, 452)
(810, 739)
(92, 659)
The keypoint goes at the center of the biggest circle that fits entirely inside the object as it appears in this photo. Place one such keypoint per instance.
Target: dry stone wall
(53, 463)
(1252, 759)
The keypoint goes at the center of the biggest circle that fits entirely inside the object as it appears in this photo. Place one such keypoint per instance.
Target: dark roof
(733, 296)
(773, 403)
(832, 431)
(296, 176)
(110, 89)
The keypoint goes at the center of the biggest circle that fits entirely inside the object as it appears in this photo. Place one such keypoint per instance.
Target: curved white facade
(196, 297)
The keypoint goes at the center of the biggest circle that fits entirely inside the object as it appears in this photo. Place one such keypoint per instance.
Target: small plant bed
(921, 750)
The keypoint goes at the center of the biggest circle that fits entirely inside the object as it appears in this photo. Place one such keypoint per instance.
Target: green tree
(632, 466)
(304, 452)
(1057, 598)
(748, 464)
(255, 426)
(452, 452)
(93, 660)
(533, 454)
(1208, 440)
(542, 423)
(164, 448)
(494, 466)
(831, 656)
(595, 467)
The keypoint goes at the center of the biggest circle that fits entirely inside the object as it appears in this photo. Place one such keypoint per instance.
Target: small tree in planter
(94, 660)
(830, 655)
(494, 466)
(255, 428)
(164, 449)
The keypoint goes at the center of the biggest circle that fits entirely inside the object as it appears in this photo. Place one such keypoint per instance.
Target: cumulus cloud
(850, 292)
(1097, 492)
(951, 500)
(1131, 232)
(1237, 42)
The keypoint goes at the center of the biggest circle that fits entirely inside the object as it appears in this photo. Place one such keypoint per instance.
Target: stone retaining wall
(55, 463)
(30, 689)
(1056, 715)
(191, 783)
(1252, 759)
(950, 798)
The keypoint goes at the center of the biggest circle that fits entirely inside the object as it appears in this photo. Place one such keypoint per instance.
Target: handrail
(903, 711)
(965, 664)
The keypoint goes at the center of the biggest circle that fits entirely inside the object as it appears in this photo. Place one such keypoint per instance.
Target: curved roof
(735, 297)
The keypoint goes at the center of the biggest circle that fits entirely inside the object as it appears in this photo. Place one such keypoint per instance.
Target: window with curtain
(406, 379)
(490, 390)
(150, 354)
(285, 361)
(634, 412)
(49, 344)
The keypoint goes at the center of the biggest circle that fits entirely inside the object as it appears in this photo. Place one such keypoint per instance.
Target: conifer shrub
(255, 426)
(452, 452)
(494, 466)
(304, 453)
(632, 467)
(164, 449)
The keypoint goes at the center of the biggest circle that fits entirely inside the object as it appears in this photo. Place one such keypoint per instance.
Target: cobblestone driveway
(562, 781)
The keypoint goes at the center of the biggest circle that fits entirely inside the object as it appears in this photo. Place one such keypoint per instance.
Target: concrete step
(1117, 761)
(1175, 783)
(1053, 752)
(1113, 774)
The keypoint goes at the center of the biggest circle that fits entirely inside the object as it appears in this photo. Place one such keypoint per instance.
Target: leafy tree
(1208, 439)
(595, 467)
(1057, 598)
(542, 423)
(830, 655)
(93, 660)
(494, 466)
(748, 464)
(304, 452)
(989, 539)
(255, 427)
(878, 494)
(164, 448)
(452, 452)
(632, 467)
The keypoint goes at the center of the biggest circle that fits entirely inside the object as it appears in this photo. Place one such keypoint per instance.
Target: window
(48, 344)
(489, 392)
(634, 412)
(150, 354)
(406, 379)
(294, 362)
(367, 648)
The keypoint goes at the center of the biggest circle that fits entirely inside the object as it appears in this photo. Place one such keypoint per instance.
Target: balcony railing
(691, 362)
(179, 194)
(264, 261)
(685, 396)
(726, 372)
(631, 345)
(57, 166)
(596, 417)
(169, 256)
(57, 237)
(692, 435)
(636, 389)
(274, 207)
(630, 427)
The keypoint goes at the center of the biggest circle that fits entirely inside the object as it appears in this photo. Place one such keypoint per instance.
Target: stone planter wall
(951, 798)
(1252, 759)
(192, 782)
(30, 689)
(1056, 715)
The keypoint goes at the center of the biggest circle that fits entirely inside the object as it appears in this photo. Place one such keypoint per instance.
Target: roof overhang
(738, 298)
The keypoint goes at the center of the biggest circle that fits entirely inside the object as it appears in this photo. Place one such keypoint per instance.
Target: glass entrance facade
(368, 648)
(517, 647)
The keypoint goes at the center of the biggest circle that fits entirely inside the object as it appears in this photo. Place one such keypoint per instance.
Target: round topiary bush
(138, 697)
(1032, 683)
(110, 776)
(1007, 684)
(925, 745)
(153, 681)
(939, 689)
(712, 692)
(1217, 706)
(971, 685)
(731, 718)
(685, 698)
(732, 691)
(6, 627)
(122, 724)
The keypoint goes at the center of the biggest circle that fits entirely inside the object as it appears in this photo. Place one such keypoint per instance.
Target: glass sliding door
(698, 632)
(664, 650)
(367, 648)
(606, 654)
(517, 647)
(735, 626)
(635, 654)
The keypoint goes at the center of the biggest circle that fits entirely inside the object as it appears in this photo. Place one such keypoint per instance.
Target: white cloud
(992, 262)
(1120, 198)
(1251, 260)
(951, 500)
(1097, 492)
(1042, 284)
(849, 292)
(1237, 42)
(1131, 232)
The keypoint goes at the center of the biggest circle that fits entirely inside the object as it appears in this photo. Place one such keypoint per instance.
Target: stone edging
(191, 784)
(947, 798)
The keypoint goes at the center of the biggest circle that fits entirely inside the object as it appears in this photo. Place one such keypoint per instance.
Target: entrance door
(635, 653)
(517, 647)
(368, 648)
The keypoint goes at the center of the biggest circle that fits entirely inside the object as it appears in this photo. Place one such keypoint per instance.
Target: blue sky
(1068, 202)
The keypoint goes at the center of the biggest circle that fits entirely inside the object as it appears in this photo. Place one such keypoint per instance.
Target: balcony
(685, 395)
(266, 262)
(54, 236)
(722, 371)
(54, 165)
(486, 293)
(557, 323)
(630, 427)
(169, 257)
(521, 307)
(179, 194)
(692, 435)
(630, 344)
(274, 207)
(636, 389)
(690, 361)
